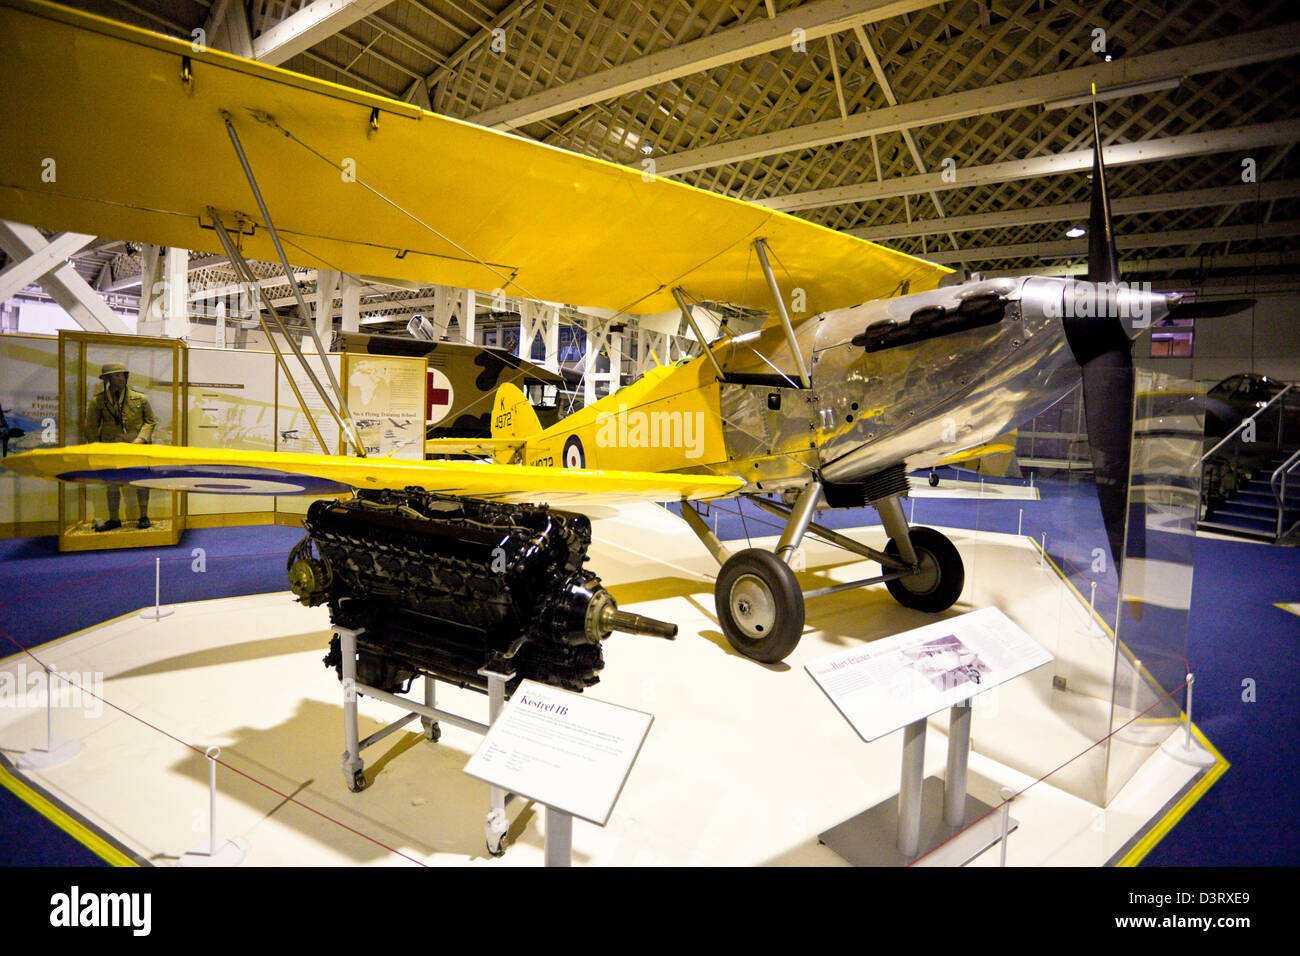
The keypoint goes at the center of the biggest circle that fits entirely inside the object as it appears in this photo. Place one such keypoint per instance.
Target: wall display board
(386, 395)
(231, 405)
(293, 432)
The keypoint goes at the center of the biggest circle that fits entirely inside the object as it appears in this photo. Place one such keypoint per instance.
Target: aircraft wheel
(358, 781)
(938, 585)
(760, 606)
(934, 480)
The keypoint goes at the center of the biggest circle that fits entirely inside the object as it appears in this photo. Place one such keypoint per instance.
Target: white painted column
(443, 303)
(220, 340)
(176, 308)
(551, 336)
(467, 317)
(615, 361)
(351, 293)
(327, 284)
(150, 310)
(594, 341)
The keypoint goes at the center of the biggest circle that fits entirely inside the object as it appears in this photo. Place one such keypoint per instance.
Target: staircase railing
(1213, 474)
(1246, 421)
(1278, 485)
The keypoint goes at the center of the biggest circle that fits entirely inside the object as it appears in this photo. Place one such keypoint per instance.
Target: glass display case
(97, 402)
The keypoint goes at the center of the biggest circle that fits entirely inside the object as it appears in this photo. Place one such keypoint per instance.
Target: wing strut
(704, 344)
(790, 339)
(343, 415)
(246, 274)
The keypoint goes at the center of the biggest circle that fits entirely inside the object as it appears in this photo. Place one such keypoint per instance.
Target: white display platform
(745, 766)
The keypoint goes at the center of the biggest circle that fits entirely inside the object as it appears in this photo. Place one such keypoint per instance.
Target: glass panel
(1164, 503)
(99, 407)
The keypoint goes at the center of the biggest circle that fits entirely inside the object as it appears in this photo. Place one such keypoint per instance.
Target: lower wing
(224, 471)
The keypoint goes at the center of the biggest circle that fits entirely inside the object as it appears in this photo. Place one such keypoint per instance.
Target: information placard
(893, 682)
(561, 749)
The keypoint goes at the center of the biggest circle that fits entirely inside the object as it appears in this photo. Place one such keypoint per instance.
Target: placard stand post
(899, 683)
(559, 838)
(927, 811)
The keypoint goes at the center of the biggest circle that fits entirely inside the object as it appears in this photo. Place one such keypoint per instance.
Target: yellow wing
(224, 471)
(116, 131)
(498, 448)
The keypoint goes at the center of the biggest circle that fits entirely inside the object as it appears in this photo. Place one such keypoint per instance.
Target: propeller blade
(1103, 257)
(1108, 414)
(1207, 308)
(1102, 347)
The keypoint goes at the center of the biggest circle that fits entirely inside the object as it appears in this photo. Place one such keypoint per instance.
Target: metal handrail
(1242, 424)
(1277, 484)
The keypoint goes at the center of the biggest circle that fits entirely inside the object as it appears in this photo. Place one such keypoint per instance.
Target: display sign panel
(386, 395)
(898, 680)
(563, 750)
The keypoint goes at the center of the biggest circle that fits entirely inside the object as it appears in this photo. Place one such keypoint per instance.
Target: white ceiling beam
(1205, 264)
(1209, 57)
(1069, 248)
(1120, 154)
(62, 283)
(1078, 211)
(313, 23)
(818, 19)
(24, 271)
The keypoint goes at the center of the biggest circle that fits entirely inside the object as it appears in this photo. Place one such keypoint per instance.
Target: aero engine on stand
(448, 586)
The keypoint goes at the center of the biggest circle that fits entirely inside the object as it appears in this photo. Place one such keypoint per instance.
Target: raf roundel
(574, 456)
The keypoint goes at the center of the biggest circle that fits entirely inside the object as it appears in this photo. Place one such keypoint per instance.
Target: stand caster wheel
(759, 604)
(939, 582)
(357, 783)
(432, 732)
(495, 828)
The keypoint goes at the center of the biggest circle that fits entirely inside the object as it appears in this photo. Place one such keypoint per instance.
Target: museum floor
(745, 764)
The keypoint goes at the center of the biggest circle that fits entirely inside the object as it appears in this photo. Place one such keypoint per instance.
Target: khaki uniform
(127, 420)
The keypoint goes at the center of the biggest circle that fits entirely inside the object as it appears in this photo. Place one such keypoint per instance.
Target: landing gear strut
(760, 605)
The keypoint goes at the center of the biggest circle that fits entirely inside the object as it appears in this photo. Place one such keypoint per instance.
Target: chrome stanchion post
(158, 611)
(1007, 796)
(232, 851)
(1182, 746)
(909, 792)
(53, 754)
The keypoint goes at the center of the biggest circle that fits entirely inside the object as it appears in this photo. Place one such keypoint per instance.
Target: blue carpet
(45, 594)
(1235, 633)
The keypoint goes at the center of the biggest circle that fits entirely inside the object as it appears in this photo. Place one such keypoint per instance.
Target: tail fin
(512, 416)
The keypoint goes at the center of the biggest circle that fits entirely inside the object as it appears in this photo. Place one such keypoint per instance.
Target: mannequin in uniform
(118, 414)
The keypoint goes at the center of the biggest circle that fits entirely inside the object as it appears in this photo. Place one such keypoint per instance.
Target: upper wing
(115, 131)
(223, 471)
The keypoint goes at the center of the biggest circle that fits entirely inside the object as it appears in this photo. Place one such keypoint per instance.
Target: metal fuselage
(916, 403)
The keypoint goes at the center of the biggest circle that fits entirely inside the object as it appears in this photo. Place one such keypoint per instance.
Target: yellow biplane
(889, 365)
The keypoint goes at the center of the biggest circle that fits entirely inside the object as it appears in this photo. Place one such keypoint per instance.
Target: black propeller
(1187, 308)
(1101, 346)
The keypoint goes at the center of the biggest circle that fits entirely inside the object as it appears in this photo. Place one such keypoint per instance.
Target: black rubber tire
(934, 480)
(926, 591)
(770, 583)
(358, 781)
